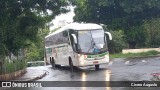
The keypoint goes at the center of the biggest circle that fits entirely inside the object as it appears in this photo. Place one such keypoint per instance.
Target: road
(118, 70)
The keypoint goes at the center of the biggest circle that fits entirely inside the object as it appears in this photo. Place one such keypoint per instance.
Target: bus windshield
(91, 41)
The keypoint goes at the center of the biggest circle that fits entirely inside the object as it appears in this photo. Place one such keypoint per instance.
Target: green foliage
(117, 44)
(152, 52)
(3, 50)
(21, 20)
(135, 36)
(131, 55)
(35, 51)
(12, 66)
(127, 15)
(152, 28)
(33, 55)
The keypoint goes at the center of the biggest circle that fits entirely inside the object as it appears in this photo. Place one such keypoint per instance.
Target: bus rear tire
(53, 63)
(71, 65)
(97, 67)
(57, 66)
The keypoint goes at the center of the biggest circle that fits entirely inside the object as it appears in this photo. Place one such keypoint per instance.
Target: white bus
(77, 45)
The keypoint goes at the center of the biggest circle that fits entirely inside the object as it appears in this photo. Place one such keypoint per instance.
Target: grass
(130, 55)
(13, 65)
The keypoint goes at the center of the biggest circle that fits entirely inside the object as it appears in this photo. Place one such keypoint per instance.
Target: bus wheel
(53, 63)
(57, 66)
(97, 67)
(50, 60)
(71, 65)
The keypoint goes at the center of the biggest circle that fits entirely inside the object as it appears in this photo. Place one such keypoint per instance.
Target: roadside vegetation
(13, 65)
(133, 23)
(24, 24)
(132, 55)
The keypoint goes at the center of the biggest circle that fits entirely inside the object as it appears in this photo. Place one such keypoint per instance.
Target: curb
(143, 57)
(38, 77)
(10, 76)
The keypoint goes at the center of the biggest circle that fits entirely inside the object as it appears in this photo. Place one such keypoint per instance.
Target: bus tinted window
(59, 38)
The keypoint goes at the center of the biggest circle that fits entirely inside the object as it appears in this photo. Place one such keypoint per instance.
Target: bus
(77, 44)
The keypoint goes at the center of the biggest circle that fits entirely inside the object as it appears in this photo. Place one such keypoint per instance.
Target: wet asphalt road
(118, 70)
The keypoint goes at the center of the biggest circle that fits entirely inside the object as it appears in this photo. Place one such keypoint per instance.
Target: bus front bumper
(94, 62)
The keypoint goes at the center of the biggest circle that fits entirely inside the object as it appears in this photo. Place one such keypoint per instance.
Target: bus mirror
(75, 38)
(109, 34)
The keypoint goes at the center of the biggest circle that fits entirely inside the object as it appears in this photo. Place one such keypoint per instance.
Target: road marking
(110, 63)
(144, 61)
(118, 59)
(127, 62)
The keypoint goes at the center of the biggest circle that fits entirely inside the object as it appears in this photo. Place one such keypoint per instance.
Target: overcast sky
(60, 19)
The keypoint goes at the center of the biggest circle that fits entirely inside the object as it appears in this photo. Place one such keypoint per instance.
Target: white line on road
(110, 63)
(127, 62)
(144, 61)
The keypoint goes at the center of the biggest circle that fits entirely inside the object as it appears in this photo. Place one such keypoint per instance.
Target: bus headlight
(82, 62)
(82, 58)
(107, 58)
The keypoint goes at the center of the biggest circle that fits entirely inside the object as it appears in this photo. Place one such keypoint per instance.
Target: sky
(62, 19)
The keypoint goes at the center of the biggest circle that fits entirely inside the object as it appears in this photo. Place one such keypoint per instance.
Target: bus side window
(65, 37)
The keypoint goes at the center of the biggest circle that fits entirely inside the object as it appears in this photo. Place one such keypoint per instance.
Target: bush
(13, 65)
(117, 44)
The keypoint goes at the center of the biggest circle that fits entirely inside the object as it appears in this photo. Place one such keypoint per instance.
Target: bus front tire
(71, 65)
(97, 67)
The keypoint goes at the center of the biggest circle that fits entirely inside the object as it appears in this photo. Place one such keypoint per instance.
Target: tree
(20, 20)
(127, 15)
(152, 28)
(35, 51)
(117, 44)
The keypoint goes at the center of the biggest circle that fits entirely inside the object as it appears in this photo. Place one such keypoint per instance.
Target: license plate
(95, 62)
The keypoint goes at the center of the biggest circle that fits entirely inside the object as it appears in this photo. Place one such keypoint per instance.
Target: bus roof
(77, 26)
